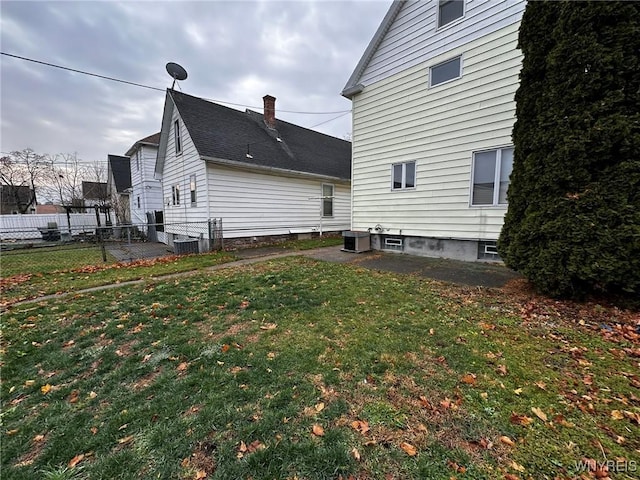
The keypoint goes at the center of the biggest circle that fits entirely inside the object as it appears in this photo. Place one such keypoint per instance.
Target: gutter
(272, 170)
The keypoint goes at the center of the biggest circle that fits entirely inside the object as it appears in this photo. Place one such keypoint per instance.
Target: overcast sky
(301, 52)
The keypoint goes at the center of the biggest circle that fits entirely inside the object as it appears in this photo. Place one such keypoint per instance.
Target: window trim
(460, 70)
(177, 136)
(452, 22)
(404, 176)
(496, 177)
(193, 192)
(322, 199)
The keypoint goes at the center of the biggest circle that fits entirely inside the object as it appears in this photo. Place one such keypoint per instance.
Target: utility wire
(157, 88)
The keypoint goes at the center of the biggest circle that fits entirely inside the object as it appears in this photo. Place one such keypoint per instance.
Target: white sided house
(433, 111)
(146, 191)
(259, 176)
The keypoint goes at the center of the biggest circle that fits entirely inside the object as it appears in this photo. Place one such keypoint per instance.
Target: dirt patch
(37, 446)
(201, 462)
(147, 380)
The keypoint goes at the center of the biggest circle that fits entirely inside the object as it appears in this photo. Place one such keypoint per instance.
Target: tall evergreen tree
(573, 222)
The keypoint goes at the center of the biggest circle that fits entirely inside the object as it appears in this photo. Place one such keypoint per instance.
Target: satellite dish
(176, 72)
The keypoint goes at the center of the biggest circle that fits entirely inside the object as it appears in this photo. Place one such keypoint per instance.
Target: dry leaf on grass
(360, 425)
(469, 379)
(317, 430)
(75, 460)
(539, 413)
(507, 441)
(409, 449)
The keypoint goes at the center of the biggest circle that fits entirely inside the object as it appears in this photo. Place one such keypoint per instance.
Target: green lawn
(302, 369)
(44, 260)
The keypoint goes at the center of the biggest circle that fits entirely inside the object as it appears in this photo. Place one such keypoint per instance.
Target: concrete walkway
(479, 274)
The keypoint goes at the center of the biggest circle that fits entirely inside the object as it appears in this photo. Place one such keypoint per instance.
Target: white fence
(22, 227)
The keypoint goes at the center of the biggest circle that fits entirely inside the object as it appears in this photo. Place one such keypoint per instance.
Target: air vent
(182, 247)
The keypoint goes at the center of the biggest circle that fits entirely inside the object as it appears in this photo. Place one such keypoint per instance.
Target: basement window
(487, 250)
(393, 243)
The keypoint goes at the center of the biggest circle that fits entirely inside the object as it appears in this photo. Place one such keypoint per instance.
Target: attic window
(449, 10)
(177, 137)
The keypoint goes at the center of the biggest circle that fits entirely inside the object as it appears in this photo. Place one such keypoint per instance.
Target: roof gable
(120, 168)
(223, 133)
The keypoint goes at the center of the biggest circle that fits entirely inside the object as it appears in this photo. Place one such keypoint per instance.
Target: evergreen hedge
(573, 222)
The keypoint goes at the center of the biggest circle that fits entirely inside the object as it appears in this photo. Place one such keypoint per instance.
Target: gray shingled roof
(153, 140)
(121, 169)
(220, 132)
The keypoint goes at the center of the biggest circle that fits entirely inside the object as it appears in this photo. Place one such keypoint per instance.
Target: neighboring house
(119, 187)
(261, 176)
(433, 110)
(16, 199)
(95, 194)
(49, 208)
(146, 191)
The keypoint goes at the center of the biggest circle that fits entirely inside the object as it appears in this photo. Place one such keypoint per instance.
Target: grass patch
(44, 260)
(303, 369)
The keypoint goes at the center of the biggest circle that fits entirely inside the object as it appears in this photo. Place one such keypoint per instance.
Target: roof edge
(264, 168)
(373, 45)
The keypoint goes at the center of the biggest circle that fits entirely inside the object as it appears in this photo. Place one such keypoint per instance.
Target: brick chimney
(269, 111)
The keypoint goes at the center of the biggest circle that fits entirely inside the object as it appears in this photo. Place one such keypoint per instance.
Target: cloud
(234, 51)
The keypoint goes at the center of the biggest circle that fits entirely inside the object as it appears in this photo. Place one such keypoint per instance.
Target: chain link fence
(27, 249)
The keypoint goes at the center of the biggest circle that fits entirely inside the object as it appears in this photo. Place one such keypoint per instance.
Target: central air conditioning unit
(356, 242)
(182, 247)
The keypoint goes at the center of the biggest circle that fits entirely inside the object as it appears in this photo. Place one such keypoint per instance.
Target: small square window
(403, 175)
(449, 10)
(445, 71)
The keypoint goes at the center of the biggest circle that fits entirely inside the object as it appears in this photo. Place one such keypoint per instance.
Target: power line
(113, 79)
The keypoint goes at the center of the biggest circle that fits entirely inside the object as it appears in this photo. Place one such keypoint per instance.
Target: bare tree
(64, 178)
(20, 173)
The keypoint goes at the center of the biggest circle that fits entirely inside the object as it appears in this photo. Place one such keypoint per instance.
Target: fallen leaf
(38, 438)
(269, 326)
(360, 425)
(517, 467)
(200, 474)
(507, 441)
(75, 460)
(319, 407)
(13, 432)
(355, 454)
(45, 389)
(539, 413)
(469, 379)
(225, 348)
(125, 440)
(454, 466)
(518, 419)
(92, 394)
(94, 430)
(409, 449)
(511, 476)
(502, 370)
(74, 396)
(317, 430)
(182, 367)
(518, 391)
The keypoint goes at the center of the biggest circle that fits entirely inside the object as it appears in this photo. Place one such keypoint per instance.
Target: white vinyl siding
(401, 117)
(144, 185)
(414, 37)
(252, 203)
